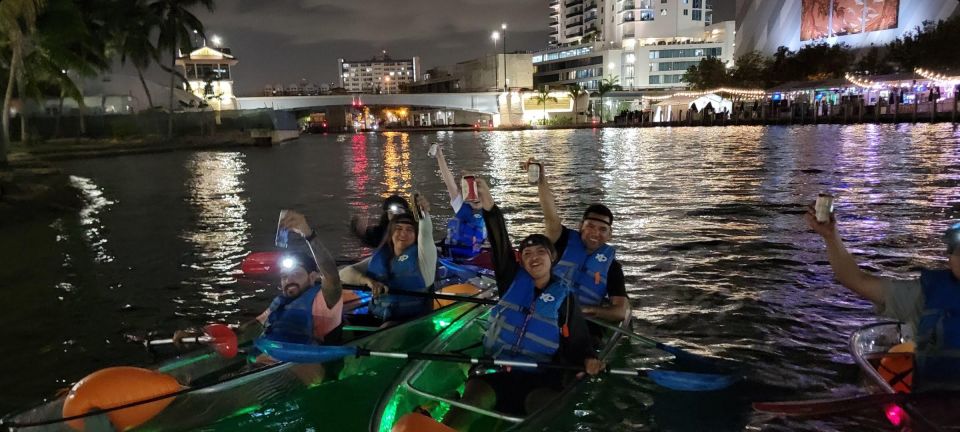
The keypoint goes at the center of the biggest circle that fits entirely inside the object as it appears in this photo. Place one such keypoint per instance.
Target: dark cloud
(283, 41)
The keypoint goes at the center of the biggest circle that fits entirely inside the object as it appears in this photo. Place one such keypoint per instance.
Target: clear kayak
(212, 392)
(885, 354)
(436, 386)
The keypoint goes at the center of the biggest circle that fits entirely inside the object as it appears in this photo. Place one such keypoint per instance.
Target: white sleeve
(353, 274)
(456, 203)
(427, 250)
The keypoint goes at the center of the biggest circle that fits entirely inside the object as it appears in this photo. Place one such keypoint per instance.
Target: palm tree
(542, 96)
(132, 39)
(607, 85)
(18, 21)
(575, 91)
(177, 23)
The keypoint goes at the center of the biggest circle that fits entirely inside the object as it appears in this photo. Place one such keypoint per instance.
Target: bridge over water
(486, 103)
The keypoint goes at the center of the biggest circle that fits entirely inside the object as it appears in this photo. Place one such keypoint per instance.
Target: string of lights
(862, 82)
(733, 91)
(938, 77)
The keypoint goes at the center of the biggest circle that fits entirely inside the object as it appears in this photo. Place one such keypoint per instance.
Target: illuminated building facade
(380, 74)
(646, 44)
(209, 77)
(765, 25)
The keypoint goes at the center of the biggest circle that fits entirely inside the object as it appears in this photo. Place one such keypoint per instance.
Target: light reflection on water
(221, 232)
(708, 227)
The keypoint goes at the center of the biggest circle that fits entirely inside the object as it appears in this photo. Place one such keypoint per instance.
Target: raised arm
(504, 261)
(447, 176)
(330, 282)
(426, 250)
(553, 227)
(844, 266)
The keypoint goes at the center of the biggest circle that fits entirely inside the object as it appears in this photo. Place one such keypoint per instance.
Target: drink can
(533, 173)
(433, 150)
(283, 234)
(468, 186)
(824, 207)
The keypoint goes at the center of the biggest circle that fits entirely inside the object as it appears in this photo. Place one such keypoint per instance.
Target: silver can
(433, 150)
(824, 207)
(533, 173)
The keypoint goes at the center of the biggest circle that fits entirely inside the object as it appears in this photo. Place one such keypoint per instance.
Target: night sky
(282, 41)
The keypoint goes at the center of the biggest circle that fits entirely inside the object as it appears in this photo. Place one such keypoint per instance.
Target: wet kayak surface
(708, 225)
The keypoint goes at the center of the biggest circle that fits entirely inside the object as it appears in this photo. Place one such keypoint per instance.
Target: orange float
(458, 289)
(117, 386)
(416, 422)
(897, 367)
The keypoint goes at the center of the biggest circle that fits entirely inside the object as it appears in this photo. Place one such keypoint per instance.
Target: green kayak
(217, 393)
(436, 386)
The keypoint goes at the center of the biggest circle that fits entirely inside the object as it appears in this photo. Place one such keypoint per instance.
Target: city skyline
(288, 40)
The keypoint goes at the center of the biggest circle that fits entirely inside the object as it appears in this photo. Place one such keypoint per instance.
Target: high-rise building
(380, 74)
(646, 44)
(765, 25)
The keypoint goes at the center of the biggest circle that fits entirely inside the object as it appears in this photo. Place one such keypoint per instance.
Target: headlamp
(395, 209)
(288, 263)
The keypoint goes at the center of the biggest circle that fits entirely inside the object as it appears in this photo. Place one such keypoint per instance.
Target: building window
(630, 58)
(697, 14)
(663, 12)
(686, 12)
(697, 4)
(628, 71)
(654, 79)
(646, 15)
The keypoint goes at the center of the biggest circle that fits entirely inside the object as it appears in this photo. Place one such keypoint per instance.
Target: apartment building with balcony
(647, 44)
(380, 74)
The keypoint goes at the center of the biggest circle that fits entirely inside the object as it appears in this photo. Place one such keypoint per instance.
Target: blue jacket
(466, 232)
(585, 273)
(399, 272)
(291, 320)
(938, 332)
(523, 328)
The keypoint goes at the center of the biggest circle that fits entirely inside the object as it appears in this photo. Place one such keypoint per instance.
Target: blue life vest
(291, 320)
(523, 328)
(585, 273)
(399, 272)
(466, 232)
(938, 332)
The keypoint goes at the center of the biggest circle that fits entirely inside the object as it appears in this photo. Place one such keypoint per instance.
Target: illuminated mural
(827, 18)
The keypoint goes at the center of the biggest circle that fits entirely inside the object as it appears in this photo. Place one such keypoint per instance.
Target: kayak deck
(437, 386)
(221, 389)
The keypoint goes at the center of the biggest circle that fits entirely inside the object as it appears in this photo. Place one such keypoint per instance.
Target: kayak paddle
(299, 353)
(222, 338)
(816, 407)
(682, 356)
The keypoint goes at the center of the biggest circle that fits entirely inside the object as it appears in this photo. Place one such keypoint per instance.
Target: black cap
(538, 240)
(396, 200)
(599, 209)
(404, 218)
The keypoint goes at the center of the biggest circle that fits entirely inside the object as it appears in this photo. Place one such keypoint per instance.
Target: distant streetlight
(503, 29)
(216, 41)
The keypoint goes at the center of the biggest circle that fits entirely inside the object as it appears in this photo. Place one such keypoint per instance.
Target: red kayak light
(896, 415)
(261, 264)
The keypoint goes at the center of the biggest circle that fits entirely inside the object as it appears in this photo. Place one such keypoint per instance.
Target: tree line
(47, 46)
(929, 46)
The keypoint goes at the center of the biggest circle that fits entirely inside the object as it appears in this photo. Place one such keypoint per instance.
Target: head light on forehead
(288, 263)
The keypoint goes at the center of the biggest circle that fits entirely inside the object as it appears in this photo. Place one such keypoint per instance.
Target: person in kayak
(535, 320)
(929, 303)
(587, 262)
(399, 263)
(466, 231)
(372, 236)
(309, 307)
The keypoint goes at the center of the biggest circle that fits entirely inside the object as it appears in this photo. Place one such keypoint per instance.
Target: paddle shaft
(816, 407)
(432, 295)
(486, 361)
(195, 339)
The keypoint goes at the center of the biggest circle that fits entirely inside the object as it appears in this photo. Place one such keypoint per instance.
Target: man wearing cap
(930, 304)
(466, 231)
(305, 311)
(399, 263)
(535, 320)
(587, 262)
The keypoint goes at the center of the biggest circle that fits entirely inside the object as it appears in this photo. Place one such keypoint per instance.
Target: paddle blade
(224, 339)
(260, 264)
(301, 353)
(692, 381)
